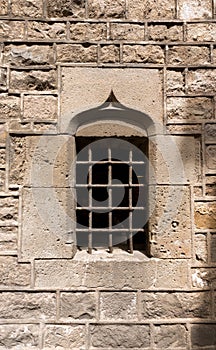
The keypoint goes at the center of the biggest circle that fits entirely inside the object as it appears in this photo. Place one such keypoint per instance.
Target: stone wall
(158, 56)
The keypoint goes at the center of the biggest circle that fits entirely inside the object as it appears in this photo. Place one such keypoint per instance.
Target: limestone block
(129, 32)
(172, 274)
(66, 8)
(201, 252)
(88, 31)
(16, 336)
(203, 335)
(77, 306)
(48, 224)
(8, 238)
(2, 158)
(210, 132)
(164, 32)
(201, 81)
(163, 305)
(13, 274)
(9, 107)
(43, 127)
(109, 53)
(29, 8)
(203, 277)
(170, 222)
(144, 54)
(205, 215)
(3, 79)
(150, 9)
(2, 178)
(189, 109)
(195, 9)
(64, 337)
(46, 31)
(170, 336)
(211, 157)
(24, 55)
(3, 7)
(201, 32)
(8, 210)
(33, 80)
(188, 55)
(107, 8)
(40, 107)
(28, 306)
(76, 53)
(211, 189)
(213, 247)
(214, 55)
(175, 82)
(3, 135)
(118, 306)
(12, 30)
(115, 336)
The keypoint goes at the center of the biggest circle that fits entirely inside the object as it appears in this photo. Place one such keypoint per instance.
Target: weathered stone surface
(2, 178)
(205, 215)
(211, 190)
(3, 79)
(120, 336)
(195, 9)
(144, 54)
(201, 81)
(129, 32)
(201, 32)
(210, 132)
(201, 252)
(176, 274)
(10, 107)
(175, 82)
(107, 8)
(203, 277)
(139, 9)
(76, 53)
(8, 210)
(40, 107)
(13, 274)
(66, 8)
(188, 55)
(3, 7)
(29, 8)
(88, 31)
(175, 305)
(170, 336)
(211, 157)
(77, 306)
(24, 55)
(165, 33)
(23, 337)
(33, 80)
(213, 247)
(27, 306)
(8, 238)
(10, 30)
(109, 53)
(46, 31)
(2, 158)
(203, 335)
(65, 337)
(189, 109)
(118, 306)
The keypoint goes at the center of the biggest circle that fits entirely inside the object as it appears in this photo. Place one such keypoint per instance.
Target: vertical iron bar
(130, 238)
(90, 202)
(110, 200)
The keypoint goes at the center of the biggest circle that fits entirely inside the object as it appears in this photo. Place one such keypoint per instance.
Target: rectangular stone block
(28, 8)
(76, 53)
(8, 238)
(129, 32)
(3, 79)
(8, 210)
(201, 32)
(213, 247)
(118, 306)
(123, 336)
(13, 274)
(175, 82)
(205, 215)
(210, 132)
(201, 252)
(18, 336)
(109, 54)
(164, 32)
(46, 31)
(201, 81)
(33, 80)
(12, 30)
(143, 54)
(107, 8)
(88, 31)
(175, 305)
(140, 10)
(210, 152)
(203, 277)
(24, 55)
(176, 274)
(211, 190)
(188, 55)
(78, 306)
(40, 108)
(2, 158)
(189, 109)
(10, 107)
(3, 7)
(28, 306)
(195, 9)
(170, 336)
(66, 8)
(203, 335)
(65, 337)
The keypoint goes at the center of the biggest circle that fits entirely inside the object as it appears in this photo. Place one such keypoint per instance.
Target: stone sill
(104, 255)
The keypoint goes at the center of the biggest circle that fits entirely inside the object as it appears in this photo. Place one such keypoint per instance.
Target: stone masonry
(59, 58)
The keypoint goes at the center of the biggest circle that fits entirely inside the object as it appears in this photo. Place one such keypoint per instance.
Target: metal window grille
(112, 195)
